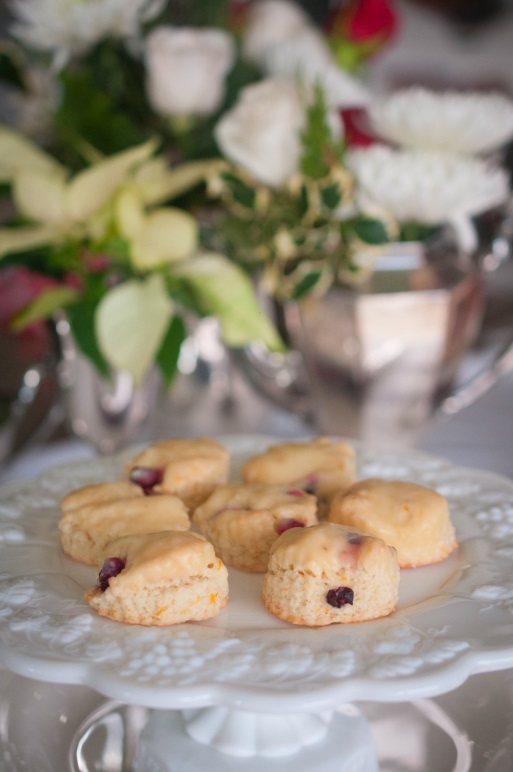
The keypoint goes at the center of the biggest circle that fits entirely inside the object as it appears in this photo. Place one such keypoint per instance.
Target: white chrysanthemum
(69, 27)
(426, 186)
(458, 122)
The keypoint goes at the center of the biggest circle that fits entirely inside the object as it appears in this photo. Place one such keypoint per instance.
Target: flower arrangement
(123, 266)
(289, 201)
(121, 226)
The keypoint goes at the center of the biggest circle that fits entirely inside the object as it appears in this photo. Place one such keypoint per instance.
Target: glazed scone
(86, 531)
(188, 468)
(322, 467)
(243, 520)
(99, 494)
(160, 579)
(412, 518)
(330, 574)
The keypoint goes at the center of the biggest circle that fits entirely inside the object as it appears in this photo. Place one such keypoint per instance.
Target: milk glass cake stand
(246, 684)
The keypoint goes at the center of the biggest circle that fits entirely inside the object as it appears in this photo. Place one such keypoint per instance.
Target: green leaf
(88, 113)
(44, 306)
(371, 231)
(316, 137)
(169, 352)
(243, 194)
(226, 292)
(81, 317)
(131, 322)
(331, 195)
(306, 284)
(11, 66)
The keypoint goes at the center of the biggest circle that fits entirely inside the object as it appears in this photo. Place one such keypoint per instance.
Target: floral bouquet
(123, 267)
(124, 236)
(289, 202)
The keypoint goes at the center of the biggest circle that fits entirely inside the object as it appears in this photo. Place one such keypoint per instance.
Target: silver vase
(110, 413)
(380, 356)
(376, 359)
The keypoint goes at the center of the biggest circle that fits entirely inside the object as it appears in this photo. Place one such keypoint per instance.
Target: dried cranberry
(310, 484)
(340, 597)
(284, 525)
(111, 567)
(295, 492)
(147, 477)
(354, 538)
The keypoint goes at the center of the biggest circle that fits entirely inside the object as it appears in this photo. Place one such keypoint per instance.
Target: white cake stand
(246, 684)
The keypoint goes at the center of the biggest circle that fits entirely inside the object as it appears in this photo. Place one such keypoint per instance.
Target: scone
(322, 467)
(243, 520)
(160, 579)
(190, 469)
(330, 574)
(412, 518)
(86, 530)
(99, 493)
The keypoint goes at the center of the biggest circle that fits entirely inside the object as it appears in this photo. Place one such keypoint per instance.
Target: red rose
(365, 21)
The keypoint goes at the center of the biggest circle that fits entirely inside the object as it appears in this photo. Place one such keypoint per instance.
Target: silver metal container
(380, 355)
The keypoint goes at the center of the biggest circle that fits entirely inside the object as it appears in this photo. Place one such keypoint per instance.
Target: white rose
(270, 23)
(186, 69)
(262, 131)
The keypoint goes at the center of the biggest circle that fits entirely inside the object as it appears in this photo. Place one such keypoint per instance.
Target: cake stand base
(222, 740)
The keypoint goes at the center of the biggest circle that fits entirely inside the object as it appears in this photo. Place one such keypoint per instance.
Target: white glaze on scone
(412, 518)
(306, 565)
(85, 531)
(191, 468)
(243, 520)
(322, 466)
(99, 494)
(167, 578)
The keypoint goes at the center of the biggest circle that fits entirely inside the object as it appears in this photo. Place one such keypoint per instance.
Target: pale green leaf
(40, 196)
(44, 306)
(167, 235)
(129, 213)
(14, 240)
(159, 183)
(93, 188)
(226, 292)
(18, 152)
(131, 322)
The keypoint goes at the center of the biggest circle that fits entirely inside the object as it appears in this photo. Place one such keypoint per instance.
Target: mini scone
(100, 493)
(160, 579)
(412, 518)
(86, 531)
(330, 574)
(322, 467)
(243, 520)
(188, 468)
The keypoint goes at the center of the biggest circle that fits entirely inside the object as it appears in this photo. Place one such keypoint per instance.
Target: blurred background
(82, 102)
